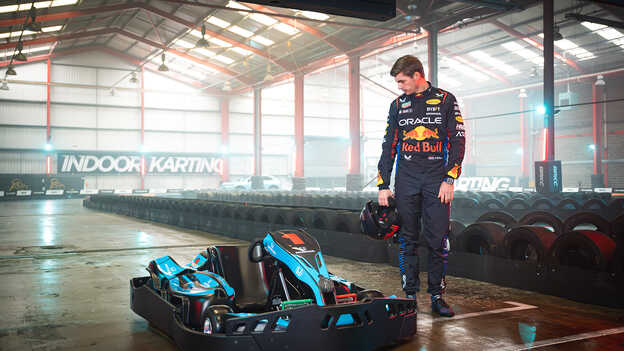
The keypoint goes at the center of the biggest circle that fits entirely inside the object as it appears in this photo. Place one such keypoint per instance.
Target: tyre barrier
(541, 260)
(483, 238)
(587, 220)
(586, 249)
(543, 219)
(529, 243)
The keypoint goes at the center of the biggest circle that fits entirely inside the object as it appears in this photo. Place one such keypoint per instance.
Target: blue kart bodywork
(276, 292)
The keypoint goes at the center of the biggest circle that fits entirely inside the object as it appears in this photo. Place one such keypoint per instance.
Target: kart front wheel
(214, 319)
(369, 295)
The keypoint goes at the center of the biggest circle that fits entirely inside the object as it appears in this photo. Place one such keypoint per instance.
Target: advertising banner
(485, 183)
(123, 163)
(37, 183)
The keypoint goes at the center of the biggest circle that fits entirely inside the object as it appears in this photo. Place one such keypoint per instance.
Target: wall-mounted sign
(128, 163)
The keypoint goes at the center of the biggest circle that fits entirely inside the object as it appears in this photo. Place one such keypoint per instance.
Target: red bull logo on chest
(421, 133)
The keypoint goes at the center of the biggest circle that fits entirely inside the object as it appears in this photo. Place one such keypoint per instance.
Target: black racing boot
(439, 306)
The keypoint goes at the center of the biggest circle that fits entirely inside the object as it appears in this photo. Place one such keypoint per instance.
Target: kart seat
(250, 280)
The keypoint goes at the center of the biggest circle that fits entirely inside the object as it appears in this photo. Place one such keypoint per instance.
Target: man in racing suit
(425, 133)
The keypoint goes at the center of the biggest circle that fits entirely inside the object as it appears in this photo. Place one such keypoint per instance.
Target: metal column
(256, 180)
(524, 139)
(354, 177)
(48, 136)
(142, 128)
(549, 79)
(432, 55)
(224, 106)
(598, 94)
(299, 180)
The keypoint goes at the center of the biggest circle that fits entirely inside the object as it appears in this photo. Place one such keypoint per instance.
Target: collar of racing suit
(423, 93)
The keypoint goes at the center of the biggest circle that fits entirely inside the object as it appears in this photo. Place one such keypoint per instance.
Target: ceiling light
(202, 43)
(26, 51)
(263, 19)
(226, 86)
(315, 15)
(224, 59)
(218, 22)
(133, 79)
(11, 71)
(262, 40)
(285, 28)
(33, 25)
(241, 31)
(38, 4)
(5, 85)
(20, 56)
(163, 67)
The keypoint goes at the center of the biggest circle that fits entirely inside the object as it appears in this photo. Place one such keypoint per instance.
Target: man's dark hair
(407, 65)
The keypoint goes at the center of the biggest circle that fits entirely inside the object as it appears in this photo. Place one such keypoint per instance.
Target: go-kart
(273, 294)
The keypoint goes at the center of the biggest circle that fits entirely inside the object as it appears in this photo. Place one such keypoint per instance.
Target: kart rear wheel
(214, 319)
(369, 295)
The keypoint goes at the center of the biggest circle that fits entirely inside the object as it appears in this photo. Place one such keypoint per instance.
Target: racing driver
(425, 133)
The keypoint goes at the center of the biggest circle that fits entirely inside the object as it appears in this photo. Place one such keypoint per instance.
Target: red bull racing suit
(425, 134)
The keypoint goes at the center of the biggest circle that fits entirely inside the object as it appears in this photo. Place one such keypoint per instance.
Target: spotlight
(5, 85)
(202, 43)
(144, 149)
(163, 67)
(11, 71)
(541, 109)
(133, 79)
(48, 147)
(519, 151)
(592, 147)
(33, 26)
(599, 81)
(268, 76)
(533, 72)
(556, 34)
(20, 56)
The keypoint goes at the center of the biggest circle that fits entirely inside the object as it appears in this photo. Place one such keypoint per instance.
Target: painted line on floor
(563, 340)
(518, 307)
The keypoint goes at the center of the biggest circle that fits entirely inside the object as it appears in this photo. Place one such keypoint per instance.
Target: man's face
(406, 83)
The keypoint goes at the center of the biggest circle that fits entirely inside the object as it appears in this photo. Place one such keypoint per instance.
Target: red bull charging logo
(420, 133)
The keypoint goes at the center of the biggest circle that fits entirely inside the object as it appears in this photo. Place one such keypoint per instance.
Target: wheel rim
(207, 326)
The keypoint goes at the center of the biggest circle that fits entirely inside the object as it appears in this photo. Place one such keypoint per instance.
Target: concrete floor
(65, 271)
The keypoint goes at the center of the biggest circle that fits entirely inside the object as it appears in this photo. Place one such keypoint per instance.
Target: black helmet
(379, 222)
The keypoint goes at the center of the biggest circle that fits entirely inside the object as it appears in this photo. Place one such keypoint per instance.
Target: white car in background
(270, 183)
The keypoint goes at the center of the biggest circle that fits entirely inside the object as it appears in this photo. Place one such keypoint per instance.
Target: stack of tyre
(584, 239)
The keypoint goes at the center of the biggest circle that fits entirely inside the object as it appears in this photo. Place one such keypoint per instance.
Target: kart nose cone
(325, 284)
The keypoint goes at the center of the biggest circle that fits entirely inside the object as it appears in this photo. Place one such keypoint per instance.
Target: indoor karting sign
(132, 163)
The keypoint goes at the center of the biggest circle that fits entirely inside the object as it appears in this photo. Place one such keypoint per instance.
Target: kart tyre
(492, 204)
(214, 318)
(501, 217)
(369, 295)
(529, 243)
(594, 204)
(465, 202)
(617, 229)
(568, 204)
(616, 206)
(543, 219)
(584, 218)
(585, 249)
(484, 238)
(517, 204)
(543, 204)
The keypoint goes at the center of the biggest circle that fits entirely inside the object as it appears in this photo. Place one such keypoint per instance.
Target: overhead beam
(125, 57)
(331, 41)
(53, 39)
(534, 43)
(286, 65)
(503, 5)
(592, 19)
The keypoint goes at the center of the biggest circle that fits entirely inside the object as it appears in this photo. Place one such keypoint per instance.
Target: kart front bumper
(375, 324)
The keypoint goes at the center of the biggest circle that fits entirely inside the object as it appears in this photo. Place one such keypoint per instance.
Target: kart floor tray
(382, 322)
